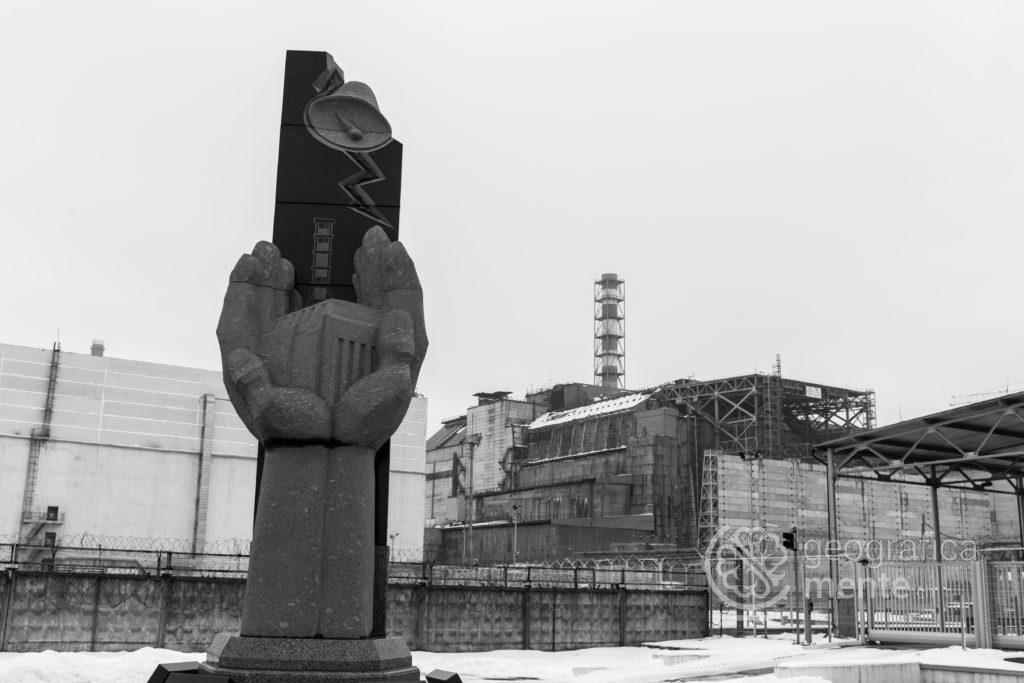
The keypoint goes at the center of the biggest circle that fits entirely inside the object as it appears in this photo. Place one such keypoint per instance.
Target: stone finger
(283, 277)
(400, 271)
(292, 413)
(267, 253)
(375, 241)
(367, 279)
(357, 284)
(248, 269)
(372, 408)
(395, 338)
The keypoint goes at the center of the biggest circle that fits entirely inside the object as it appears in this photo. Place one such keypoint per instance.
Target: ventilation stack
(610, 332)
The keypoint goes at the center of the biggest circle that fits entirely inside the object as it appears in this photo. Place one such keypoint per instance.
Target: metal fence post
(869, 601)
(963, 622)
(95, 614)
(9, 582)
(165, 599)
(982, 626)
(554, 616)
(623, 596)
(423, 606)
(526, 613)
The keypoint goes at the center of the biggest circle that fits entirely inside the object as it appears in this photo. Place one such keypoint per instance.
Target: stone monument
(322, 382)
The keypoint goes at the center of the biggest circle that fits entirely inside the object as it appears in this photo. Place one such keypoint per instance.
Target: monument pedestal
(249, 659)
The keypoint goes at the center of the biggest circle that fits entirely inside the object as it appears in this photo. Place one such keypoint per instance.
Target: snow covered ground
(666, 661)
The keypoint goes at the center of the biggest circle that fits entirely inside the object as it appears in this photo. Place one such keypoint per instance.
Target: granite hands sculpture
(288, 370)
(321, 387)
(322, 383)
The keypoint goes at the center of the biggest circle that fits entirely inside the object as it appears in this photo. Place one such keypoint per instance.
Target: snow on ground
(594, 665)
(86, 667)
(662, 661)
(956, 656)
(949, 656)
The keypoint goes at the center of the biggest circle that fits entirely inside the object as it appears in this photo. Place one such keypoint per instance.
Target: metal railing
(42, 516)
(538, 576)
(976, 603)
(101, 560)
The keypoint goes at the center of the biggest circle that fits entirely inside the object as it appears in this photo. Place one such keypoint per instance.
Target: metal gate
(1005, 592)
(977, 603)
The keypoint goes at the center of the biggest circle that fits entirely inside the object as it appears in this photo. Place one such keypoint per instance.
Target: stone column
(318, 501)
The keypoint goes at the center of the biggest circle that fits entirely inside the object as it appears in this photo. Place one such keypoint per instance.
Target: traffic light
(789, 540)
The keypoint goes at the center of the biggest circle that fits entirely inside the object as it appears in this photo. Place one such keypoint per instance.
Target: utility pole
(515, 531)
(790, 542)
(473, 441)
(391, 547)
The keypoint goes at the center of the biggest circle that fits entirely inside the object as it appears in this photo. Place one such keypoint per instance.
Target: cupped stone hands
(333, 372)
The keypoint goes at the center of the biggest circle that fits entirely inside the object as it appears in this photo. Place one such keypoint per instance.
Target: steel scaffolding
(707, 523)
(768, 416)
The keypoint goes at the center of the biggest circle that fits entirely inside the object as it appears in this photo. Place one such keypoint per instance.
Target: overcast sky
(840, 183)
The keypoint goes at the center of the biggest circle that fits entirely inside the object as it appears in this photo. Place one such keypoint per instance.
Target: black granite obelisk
(327, 198)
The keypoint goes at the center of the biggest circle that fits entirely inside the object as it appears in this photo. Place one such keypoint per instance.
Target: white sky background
(840, 183)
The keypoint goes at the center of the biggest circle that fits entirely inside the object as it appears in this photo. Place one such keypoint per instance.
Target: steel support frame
(735, 407)
(866, 451)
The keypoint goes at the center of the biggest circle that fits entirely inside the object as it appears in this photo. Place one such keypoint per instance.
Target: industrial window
(323, 226)
(50, 539)
(52, 513)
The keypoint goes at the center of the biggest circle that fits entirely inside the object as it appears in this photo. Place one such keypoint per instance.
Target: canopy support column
(941, 593)
(1018, 489)
(833, 533)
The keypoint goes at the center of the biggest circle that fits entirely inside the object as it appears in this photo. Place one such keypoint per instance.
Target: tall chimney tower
(610, 331)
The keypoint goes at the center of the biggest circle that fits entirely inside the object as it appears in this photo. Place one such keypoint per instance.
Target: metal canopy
(972, 447)
(969, 447)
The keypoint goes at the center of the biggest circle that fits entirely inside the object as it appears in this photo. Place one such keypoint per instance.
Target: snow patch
(87, 667)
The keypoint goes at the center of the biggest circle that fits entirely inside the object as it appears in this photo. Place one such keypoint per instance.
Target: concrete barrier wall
(65, 612)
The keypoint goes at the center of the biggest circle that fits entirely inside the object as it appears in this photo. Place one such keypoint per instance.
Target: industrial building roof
(964, 447)
(612, 405)
(451, 433)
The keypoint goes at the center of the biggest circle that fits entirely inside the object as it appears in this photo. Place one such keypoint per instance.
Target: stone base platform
(248, 659)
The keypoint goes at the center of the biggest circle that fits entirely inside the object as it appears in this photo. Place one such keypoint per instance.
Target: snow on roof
(450, 434)
(612, 405)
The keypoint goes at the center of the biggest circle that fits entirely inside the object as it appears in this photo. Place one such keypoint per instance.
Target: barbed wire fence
(87, 553)
(227, 546)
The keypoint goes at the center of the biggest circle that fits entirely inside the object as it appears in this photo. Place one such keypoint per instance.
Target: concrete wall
(122, 463)
(540, 541)
(462, 619)
(405, 508)
(438, 487)
(492, 422)
(784, 493)
(104, 613)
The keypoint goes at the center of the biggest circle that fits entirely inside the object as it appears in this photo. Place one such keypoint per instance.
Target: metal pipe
(833, 534)
(1019, 490)
(940, 589)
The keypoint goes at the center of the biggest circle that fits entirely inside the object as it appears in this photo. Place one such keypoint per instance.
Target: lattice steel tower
(610, 331)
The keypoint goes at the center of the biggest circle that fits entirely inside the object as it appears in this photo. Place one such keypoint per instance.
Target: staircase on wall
(33, 521)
